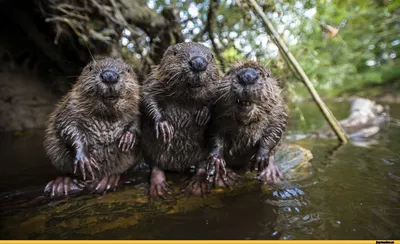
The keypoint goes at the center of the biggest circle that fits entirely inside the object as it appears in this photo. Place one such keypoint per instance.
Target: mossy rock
(294, 161)
(91, 215)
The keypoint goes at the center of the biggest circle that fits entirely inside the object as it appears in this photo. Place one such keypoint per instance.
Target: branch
(140, 15)
(337, 128)
(124, 22)
(214, 5)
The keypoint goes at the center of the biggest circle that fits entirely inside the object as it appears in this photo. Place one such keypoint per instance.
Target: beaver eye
(175, 52)
(268, 74)
(91, 67)
(128, 70)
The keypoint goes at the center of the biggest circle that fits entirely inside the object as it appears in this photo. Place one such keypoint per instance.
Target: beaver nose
(198, 63)
(248, 76)
(109, 77)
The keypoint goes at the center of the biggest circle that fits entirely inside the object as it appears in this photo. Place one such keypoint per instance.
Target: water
(353, 192)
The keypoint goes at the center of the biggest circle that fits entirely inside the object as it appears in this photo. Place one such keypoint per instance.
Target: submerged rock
(94, 216)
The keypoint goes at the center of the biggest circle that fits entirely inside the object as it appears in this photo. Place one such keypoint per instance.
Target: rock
(294, 161)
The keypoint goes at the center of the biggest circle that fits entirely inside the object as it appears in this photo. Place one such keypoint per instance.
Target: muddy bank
(25, 101)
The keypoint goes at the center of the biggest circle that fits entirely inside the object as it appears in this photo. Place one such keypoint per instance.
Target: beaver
(92, 134)
(177, 99)
(247, 124)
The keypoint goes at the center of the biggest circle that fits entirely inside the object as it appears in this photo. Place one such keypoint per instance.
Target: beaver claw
(63, 186)
(158, 184)
(271, 173)
(198, 185)
(164, 128)
(261, 160)
(127, 141)
(85, 163)
(105, 184)
(203, 116)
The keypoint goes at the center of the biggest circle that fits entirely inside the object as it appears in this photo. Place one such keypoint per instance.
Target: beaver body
(247, 123)
(92, 133)
(177, 99)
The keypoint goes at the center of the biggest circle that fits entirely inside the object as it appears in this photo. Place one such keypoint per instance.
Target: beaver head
(107, 84)
(249, 92)
(189, 70)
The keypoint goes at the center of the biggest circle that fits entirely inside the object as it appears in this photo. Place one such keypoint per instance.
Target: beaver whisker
(173, 78)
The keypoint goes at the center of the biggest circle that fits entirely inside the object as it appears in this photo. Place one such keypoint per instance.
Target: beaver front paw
(165, 129)
(127, 141)
(261, 160)
(216, 167)
(271, 173)
(85, 163)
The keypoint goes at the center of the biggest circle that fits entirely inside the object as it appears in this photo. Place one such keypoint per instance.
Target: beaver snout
(109, 77)
(198, 64)
(248, 76)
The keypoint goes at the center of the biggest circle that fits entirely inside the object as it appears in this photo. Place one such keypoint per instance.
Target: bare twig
(74, 8)
(104, 11)
(123, 20)
(71, 14)
(337, 128)
(72, 24)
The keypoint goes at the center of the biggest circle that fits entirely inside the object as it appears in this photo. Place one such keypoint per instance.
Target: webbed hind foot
(197, 186)
(159, 188)
(229, 180)
(104, 185)
(64, 186)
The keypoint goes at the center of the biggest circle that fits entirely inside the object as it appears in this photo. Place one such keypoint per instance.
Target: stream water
(352, 192)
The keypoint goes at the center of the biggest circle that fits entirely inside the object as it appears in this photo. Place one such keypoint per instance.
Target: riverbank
(386, 94)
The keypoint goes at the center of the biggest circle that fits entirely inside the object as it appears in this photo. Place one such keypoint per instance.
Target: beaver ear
(170, 51)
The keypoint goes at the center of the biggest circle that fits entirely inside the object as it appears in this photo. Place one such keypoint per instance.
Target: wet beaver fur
(247, 123)
(177, 97)
(91, 136)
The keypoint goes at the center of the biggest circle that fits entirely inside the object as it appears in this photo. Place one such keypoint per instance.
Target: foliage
(364, 51)
(342, 45)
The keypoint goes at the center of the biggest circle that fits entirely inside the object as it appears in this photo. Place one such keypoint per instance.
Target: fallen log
(366, 119)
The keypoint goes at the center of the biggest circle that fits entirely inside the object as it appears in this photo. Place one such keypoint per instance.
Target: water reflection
(348, 192)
